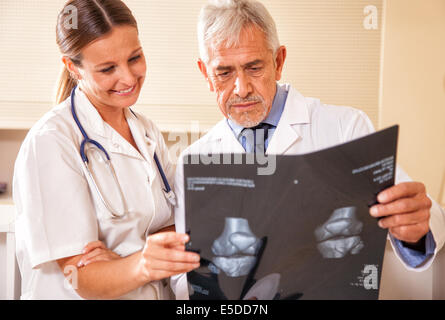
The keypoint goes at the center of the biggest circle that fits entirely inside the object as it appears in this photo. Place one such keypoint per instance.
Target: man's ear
(279, 61)
(71, 67)
(202, 67)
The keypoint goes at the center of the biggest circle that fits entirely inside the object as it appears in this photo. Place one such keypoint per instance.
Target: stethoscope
(168, 192)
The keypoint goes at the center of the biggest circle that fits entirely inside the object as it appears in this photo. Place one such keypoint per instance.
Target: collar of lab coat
(146, 144)
(295, 113)
(295, 110)
(88, 115)
(287, 133)
(111, 140)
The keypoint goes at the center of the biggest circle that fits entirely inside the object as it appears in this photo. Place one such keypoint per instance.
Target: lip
(126, 93)
(244, 105)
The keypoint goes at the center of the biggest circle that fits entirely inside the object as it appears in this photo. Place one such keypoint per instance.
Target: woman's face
(113, 69)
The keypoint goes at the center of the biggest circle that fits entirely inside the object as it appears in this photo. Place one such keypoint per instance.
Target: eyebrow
(254, 62)
(112, 62)
(247, 65)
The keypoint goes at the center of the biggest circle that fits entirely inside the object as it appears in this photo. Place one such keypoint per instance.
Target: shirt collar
(95, 126)
(87, 113)
(275, 112)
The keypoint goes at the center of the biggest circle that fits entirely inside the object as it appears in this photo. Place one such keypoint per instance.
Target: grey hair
(221, 22)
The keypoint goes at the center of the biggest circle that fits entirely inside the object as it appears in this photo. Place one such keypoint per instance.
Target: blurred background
(385, 57)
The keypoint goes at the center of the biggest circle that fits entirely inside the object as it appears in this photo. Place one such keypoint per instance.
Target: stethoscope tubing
(168, 191)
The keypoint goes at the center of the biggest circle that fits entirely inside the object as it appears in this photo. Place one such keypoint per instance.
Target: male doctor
(242, 60)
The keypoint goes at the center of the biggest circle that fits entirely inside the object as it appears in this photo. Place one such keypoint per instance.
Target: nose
(242, 85)
(127, 76)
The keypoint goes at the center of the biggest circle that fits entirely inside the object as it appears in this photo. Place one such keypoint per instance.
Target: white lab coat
(306, 125)
(59, 211)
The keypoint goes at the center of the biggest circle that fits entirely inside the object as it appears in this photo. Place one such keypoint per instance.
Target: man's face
(244, 77)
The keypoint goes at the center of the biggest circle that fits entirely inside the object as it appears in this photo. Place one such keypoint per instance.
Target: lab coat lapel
(97, 129)
(146, 145)
(222, 139)
(117, 144)
(287, 134)
(88, 115)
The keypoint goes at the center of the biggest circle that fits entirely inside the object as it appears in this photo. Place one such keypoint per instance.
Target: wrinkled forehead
(250, 44)
(248, 33)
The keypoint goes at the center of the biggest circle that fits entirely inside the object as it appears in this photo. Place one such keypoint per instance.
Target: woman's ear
(71, 67)
(202, 67)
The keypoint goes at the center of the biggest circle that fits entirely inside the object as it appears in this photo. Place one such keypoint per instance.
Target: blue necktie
(256, 137)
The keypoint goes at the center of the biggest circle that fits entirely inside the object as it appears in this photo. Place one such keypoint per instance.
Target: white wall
(413, 87)
(413, 96)
(2, 266)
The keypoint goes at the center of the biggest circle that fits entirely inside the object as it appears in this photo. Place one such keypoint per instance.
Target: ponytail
(65, 84)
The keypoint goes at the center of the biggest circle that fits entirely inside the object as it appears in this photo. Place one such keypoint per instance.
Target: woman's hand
(96, 251)
(164, 255)
(113, 276)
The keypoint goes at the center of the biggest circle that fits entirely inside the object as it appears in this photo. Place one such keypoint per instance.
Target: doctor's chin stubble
(247, 119)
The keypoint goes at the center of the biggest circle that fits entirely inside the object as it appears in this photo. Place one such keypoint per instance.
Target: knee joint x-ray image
(235, 249)
(304, 232)
(340, 234)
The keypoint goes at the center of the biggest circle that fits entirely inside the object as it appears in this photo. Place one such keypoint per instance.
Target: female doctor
(92, 171)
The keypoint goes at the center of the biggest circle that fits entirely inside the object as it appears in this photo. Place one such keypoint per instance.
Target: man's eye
(107, 70)
(223, 74)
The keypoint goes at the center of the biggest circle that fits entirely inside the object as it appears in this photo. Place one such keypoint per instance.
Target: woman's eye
(107, 70)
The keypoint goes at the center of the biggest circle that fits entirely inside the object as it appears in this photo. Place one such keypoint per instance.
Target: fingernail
(381, 197)
(79, 264)
(374, 211)
(380, 223)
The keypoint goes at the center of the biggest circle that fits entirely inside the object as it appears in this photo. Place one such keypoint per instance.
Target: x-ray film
(302, 232)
